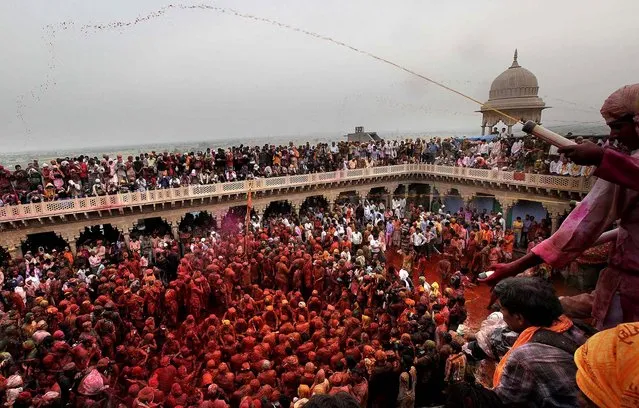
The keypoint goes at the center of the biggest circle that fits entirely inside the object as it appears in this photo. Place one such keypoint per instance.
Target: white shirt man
(516, 147)
(402, 205)
(418, 239)
(375, 245)
(357, 238)
(499, 219)
(554, 166)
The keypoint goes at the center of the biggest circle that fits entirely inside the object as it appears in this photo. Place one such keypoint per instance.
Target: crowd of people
(314, 309)
(332, 307)
(81, 176)
(303, 305)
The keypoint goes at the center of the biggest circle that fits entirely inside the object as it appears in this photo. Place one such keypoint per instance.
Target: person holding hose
(615, 196)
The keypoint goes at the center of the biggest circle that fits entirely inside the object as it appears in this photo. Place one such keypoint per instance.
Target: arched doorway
(313, 202)
(348, 197)
(379, 195)
(418, 194)
(485, 204)
(234, 220)
(199, 220)
(106, 233)
(154, 226)
(275, 208)
(453, 201)
(48, 241)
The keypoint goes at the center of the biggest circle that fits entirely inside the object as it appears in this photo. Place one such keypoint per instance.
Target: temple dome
(514, 93)
(515, 88)
(515, 82)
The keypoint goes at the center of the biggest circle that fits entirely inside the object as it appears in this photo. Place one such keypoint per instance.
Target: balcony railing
(135, 199)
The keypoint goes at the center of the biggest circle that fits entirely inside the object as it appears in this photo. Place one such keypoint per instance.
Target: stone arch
(453, 201)
(278, 207)
(196, 223)
(485, 202)
(314, 201)
(438, 194)
(380, 194)
(349, 196)
(235, 216)
(523, 207)
(400, 191)
(49, 241)
(418, 194)
(159, 226)
(107, 233)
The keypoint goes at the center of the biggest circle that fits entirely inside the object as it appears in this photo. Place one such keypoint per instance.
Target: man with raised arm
(614, 196)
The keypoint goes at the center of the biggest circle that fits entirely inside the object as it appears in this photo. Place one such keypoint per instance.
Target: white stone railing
(136, 199)
(573, 184)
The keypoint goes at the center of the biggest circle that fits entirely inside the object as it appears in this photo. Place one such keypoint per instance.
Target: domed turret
(516, 81)
(513, 92)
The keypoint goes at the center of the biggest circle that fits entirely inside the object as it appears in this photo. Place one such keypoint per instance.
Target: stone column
(391, 190)
(175, 231)
(15, 251)
(555, 211)
(126, 237)
(506, 205)
(125, 229)
(466, 195)
(71, 239)
(363, 194)
(330, 198)
(430, 198)
(72, 246)
(296, 205)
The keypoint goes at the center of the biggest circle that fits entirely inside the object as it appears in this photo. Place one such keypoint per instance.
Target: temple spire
(515, 63)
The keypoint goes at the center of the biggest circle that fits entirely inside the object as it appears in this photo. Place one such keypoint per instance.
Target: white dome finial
(515, 63)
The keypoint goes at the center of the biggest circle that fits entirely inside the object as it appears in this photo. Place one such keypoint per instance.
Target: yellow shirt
(518, 225)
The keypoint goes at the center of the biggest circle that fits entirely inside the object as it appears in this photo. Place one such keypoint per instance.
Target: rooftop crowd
(331, 308)
(73, 177)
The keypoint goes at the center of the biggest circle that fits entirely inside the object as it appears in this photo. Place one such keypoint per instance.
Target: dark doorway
(47, 240)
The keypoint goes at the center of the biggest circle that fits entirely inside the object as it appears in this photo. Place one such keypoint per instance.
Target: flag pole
(247, 220)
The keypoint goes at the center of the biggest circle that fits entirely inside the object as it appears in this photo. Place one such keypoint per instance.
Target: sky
(193, 74)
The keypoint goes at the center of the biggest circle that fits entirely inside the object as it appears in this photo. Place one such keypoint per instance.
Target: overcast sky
(203, 75)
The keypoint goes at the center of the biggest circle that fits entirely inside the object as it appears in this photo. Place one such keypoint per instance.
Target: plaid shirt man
(540, 375)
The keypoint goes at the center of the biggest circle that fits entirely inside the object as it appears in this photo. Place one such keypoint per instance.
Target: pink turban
(623, 101)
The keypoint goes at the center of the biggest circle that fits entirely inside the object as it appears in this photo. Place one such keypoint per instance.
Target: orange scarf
(608, 367)
(561, 325)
